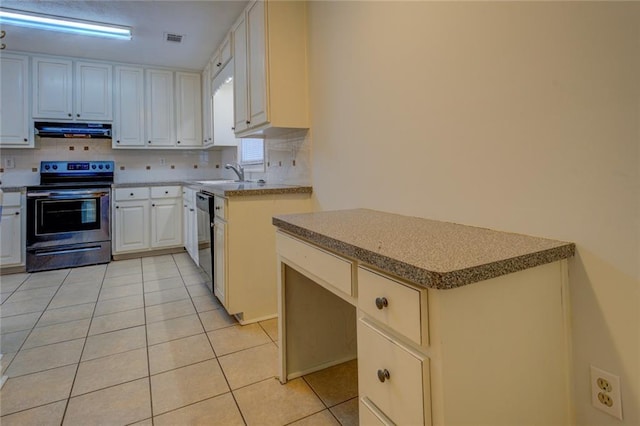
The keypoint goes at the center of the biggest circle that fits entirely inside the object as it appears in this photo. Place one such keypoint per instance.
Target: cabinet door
(14, 113)
(207, 119)
(219, 264)
(11, 236)
(131, 226)
(52, 90)
(239, 30)
(188, 109)
(166, 223)
(93, 91)
(256, 64)
(159, 108)
(128, 125)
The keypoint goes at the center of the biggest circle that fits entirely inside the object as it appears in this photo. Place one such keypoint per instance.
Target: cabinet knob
(178, 141)
(25, 139)
(383, 375)
(149, 141)
(217, 207)
(248, 122)
(77, 115)
(153, 205)
(233, 128)
(117, 141)
(117, 207)
(69, 114)
(166, 192)
(218, 64)
(131, 195)
(381, 302)
(190, 210)
(17, 213)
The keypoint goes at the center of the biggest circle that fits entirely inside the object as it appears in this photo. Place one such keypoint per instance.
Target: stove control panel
(79, 167)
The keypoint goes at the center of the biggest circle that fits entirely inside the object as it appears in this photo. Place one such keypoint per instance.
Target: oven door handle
(66, 195)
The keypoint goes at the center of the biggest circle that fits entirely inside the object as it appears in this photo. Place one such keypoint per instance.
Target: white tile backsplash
(131, 164)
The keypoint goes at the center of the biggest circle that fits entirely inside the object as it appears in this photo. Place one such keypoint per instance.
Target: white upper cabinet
(52, 88)
(93, 91)
(222, 55)
(58, 94)
(159, 108)
(14, 109)
(207, 119)
(188, 109)
(128, 123)
(270, 73)
(239, 31)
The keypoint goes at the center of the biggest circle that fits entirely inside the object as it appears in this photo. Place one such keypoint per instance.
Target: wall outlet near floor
(605, 392)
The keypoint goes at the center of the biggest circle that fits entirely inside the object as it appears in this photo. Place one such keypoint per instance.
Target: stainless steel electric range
(68, 215)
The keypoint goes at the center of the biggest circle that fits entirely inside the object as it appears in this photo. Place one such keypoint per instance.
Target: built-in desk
(450, 324)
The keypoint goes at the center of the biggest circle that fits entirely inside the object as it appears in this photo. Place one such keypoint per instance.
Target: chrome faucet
(238, 169)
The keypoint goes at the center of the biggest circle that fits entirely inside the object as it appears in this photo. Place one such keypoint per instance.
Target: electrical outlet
(605, 392)
(9, 162)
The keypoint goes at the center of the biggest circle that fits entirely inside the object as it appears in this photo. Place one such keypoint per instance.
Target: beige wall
(515, 116)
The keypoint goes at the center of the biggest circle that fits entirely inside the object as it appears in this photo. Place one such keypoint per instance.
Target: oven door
(67, 216)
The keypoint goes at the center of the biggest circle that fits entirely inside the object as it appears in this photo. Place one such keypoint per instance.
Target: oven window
(57, 216)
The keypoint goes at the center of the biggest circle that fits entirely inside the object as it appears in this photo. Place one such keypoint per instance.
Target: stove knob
(107, 166)
(100, 166)
(55, 167)
(93, 166)
(46, 167)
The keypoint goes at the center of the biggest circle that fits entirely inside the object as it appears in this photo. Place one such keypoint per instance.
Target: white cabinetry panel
(52, 88)
(159, 107)
(14, 101)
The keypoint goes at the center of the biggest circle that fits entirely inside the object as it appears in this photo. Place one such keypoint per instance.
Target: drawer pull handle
(381, 302)
(383, 375)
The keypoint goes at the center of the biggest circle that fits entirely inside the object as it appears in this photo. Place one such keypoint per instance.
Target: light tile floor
(144, 342)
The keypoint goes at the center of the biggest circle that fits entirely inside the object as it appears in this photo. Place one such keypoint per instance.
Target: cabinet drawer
(219, 205)
(166, 191)
(11, 199)
(404, 395)
(123, 194)
(394, 304)
(328, 267)
(368, 415)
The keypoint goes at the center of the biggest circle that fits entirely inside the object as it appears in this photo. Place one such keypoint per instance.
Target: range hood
(46, 129)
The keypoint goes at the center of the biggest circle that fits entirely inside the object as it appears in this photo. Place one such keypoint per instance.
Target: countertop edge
(426, 278)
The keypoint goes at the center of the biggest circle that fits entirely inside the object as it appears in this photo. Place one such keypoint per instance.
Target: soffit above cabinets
(203, 25)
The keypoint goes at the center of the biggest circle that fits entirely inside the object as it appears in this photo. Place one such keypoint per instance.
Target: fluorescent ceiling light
(54, 23)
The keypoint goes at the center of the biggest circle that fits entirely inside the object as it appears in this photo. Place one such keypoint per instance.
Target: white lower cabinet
(147, 218)
(11, 231)
(425, 356)
(190, 222)
(219, 260)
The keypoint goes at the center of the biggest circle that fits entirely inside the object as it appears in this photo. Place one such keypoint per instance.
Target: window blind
(251, 151)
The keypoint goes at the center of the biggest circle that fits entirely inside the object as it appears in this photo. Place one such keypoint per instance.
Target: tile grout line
(75, 376)
(216, 355)
(34, 326)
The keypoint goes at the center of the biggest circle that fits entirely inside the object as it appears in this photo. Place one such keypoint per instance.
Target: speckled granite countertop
(235, 189)
(430, 253)
(229, 189)
(12, 188)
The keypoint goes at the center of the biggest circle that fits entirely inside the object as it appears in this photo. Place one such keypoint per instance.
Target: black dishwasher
(204, 204)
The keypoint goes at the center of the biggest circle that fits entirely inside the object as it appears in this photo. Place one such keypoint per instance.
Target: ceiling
(203, 24)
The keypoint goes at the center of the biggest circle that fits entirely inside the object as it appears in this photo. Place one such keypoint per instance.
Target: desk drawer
(166, 191)
(404, 395)
(405, 309)
(330, 268)
(123, 194)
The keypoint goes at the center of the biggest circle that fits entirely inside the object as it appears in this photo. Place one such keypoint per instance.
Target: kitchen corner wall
(146, 165)
(517, 116)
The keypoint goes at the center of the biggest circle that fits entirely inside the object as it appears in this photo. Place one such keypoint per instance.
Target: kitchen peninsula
(450, 324)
